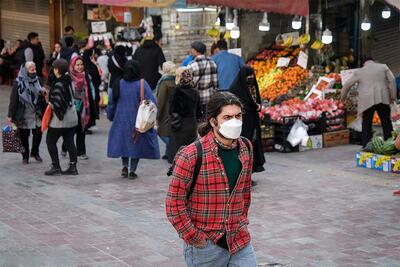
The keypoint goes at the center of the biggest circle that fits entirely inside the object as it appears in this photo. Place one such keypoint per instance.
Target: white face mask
(231, 129)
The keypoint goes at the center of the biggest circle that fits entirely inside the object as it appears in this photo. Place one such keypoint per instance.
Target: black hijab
(120, 55)
(131, 74)
(240, 87)
(91, 68)
(131, 71)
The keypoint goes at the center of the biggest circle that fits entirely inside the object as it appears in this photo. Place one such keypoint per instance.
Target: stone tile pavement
(309, 209)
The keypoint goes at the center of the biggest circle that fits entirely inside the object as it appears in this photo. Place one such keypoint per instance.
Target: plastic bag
(356, 125)
(298, 134)
(147, 113)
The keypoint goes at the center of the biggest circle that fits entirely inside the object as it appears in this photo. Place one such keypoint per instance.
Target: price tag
(302, 61)
(283, 62)
(99, 26)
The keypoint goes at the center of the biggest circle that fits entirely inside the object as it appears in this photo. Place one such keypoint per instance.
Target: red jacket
(210, 211)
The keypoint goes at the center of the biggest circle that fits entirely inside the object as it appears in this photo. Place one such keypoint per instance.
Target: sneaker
(25, 161)
(132, 176)
(124, 172)
(63, 154)
(37, 158)
(83, 157)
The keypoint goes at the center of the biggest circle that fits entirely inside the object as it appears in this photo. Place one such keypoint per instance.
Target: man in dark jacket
(151, 58)
(32, 51)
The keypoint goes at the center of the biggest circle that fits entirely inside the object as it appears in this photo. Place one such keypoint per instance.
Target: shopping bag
(11, 140)
(147, 113)
(48, 113)
(298, 134)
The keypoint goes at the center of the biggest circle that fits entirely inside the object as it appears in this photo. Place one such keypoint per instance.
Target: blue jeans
(166, 140)
(215, 256)
(133, 166)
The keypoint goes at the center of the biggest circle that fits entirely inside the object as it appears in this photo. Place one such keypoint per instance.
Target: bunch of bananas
(288, 42)
(317, 45)
(213, 32)
(304, 39)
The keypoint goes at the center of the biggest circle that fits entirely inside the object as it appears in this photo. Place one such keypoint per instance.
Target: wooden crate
(337, 138)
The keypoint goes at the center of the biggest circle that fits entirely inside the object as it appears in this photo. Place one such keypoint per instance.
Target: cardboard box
(316, 142)
(364, 160)
(337, 138)
(382, 163)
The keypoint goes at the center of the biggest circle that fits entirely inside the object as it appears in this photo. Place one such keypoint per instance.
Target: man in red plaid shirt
(213, 221)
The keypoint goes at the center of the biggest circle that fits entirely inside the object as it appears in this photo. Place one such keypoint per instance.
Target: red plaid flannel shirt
(211, 211)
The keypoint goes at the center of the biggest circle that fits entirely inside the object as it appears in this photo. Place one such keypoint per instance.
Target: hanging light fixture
(177, 25)
(235, 32)
(229, 20)
(217, 22)
(386, 12)
(327, 37)
(264, 25)
(296, 23)
(365, 24)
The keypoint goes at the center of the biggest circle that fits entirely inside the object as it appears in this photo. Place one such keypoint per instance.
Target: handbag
(11, 140)
(175, 121)
(48, 114)
(147, 113)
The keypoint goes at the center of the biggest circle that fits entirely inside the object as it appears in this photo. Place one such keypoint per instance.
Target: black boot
(55, 169)
(72, 170)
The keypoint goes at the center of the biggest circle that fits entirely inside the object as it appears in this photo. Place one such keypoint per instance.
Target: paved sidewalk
(309, 209)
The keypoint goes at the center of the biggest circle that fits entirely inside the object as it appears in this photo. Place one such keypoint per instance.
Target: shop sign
(302, 61)
(127, 17)
(99, 26)
(119, 12)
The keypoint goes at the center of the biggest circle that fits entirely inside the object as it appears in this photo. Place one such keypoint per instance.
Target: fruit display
(317, 45)
(304, 39)
(376, 120)
(310, 110)
(273, 81)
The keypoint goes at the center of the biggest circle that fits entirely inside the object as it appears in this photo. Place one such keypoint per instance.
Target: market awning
(298, 7)
(395, 3)
(132, 3)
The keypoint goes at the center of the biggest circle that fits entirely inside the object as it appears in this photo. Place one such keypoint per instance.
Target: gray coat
(376, 85)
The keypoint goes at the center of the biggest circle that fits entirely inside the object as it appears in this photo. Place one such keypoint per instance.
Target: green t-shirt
(232, 165)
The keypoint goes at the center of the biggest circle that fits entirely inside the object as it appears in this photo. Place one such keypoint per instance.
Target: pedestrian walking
(83, 92)
(205, 76)
(64, 119)
(56, 54)
(123, 111)
(164, 92)
(151, 58)
(245, 87)
(228, 65)
(208, 205)
(69, 32)
(26, 108)
(184, 112)
(69, 51)
(116, 65)
(376, 91)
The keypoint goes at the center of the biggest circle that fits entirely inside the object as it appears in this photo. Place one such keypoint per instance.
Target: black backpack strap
(197, 167)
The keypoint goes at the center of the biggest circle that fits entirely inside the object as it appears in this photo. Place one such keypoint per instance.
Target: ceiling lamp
(235, 32)
(217, 22)
(386, 12)
(327, 37)
(296, 23)
(365, 24)
(264, 25)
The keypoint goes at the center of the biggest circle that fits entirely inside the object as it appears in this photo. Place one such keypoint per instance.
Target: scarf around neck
(28, 88)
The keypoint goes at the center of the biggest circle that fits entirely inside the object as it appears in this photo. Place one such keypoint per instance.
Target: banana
(304, 39)
(317, 45)
(288, 42)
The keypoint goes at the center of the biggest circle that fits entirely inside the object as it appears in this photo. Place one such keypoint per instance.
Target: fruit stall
(290, 92)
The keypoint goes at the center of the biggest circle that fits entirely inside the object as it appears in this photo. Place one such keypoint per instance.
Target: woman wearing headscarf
(116, 64)
(83, 90)
(123, 140)
(184, 112)
(64, 119)
(92, 70)
(26, 109)
(245, 87)
(164, 91)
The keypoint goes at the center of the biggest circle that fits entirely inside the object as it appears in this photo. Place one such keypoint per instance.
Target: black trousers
(80, 139)
(384, 115)
(37, 138)
(53, 134)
